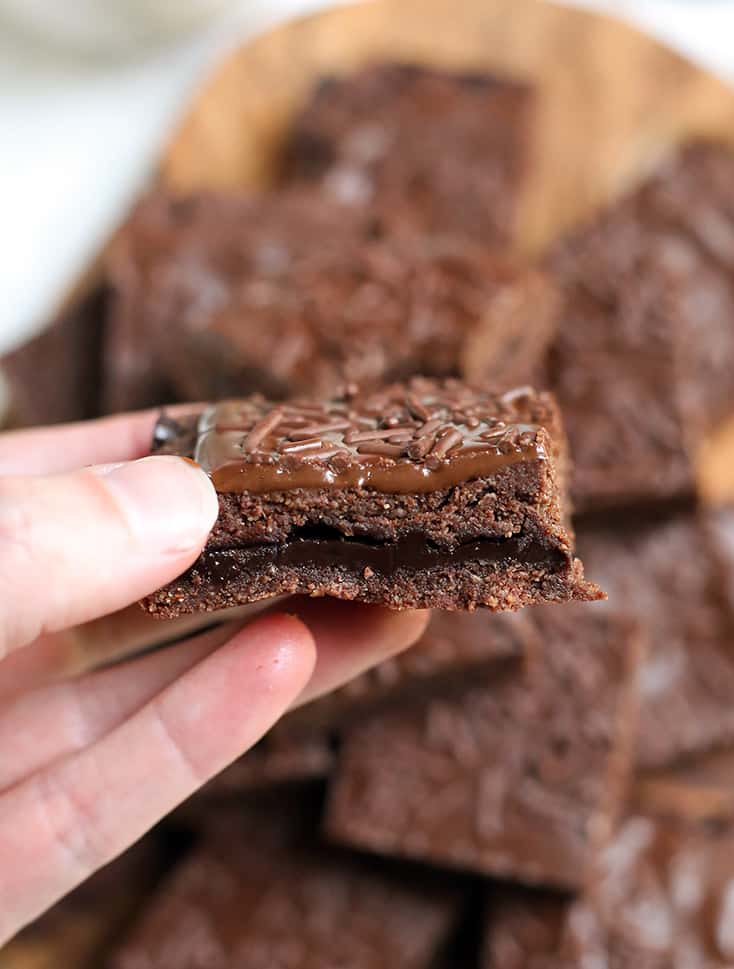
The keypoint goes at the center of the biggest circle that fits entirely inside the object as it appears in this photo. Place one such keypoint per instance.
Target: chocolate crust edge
(450, 588)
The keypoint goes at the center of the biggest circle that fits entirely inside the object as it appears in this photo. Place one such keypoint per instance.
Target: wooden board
(612, 101)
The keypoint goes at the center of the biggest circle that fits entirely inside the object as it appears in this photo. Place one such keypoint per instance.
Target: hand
(88, 763)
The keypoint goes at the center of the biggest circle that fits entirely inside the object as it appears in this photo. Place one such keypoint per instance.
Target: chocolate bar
(516, 774)
(643, 364)
(430, 151)
(227, 296)
(667, 573)
(427, 494)
(261, 892)
(660, 897)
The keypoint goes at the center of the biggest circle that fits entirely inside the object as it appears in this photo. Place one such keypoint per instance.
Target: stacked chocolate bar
(545, 789)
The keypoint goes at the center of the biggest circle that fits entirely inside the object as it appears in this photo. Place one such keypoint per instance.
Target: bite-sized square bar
(425, 494)
(266, 895)
(269, 296)
(427, 149)
(517, 774)
(667, 574)
(661, 898)
(643, 364)
(180, 262)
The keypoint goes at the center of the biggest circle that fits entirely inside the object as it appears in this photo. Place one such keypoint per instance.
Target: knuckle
(72, 825)
(195, 772)
(18, 541)
(98, 494)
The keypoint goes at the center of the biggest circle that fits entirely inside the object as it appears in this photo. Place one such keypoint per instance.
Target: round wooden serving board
(611, 99)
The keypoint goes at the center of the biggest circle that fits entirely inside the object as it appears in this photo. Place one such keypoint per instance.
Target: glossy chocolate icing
(426, 437)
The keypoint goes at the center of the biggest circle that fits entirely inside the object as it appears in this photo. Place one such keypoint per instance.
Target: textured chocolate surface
(644, 358)
(429, 493)
(661, 899)
(176, 265)
(668, 575)
(226, 296)
(265, 895)
(378, 139)
(516, 774)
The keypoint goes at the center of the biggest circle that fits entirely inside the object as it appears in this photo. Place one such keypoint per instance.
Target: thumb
(74, 547)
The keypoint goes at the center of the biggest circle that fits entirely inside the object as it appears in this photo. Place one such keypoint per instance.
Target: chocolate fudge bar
(273, 298)
(429, 150)
(179, 263)
(668, 575)
(517, 774)
(425, 494)
(661, 898)
(265, 894)
(643, 364)
(55, 377)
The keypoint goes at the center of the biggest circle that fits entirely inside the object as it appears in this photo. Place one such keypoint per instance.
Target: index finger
(66, 447)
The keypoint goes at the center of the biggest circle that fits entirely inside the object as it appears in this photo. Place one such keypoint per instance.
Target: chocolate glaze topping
(428, 436)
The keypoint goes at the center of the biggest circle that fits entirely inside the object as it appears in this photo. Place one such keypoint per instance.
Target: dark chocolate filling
(413, 552)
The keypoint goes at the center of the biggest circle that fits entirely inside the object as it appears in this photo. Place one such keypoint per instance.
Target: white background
(80, 126)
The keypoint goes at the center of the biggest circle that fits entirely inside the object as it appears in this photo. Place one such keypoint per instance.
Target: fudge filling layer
(412, 552)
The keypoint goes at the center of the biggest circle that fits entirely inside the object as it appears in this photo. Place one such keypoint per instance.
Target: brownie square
(668, 575)
(181, 262)
(222, 296)
(431, 151)
(661, 898)
(643, 363)
(263, 894)
(516, 774)
(425, 494)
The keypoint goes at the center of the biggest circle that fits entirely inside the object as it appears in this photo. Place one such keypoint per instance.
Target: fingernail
(169, 503)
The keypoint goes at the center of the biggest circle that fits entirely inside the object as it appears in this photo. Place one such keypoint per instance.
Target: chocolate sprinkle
(402, 435)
